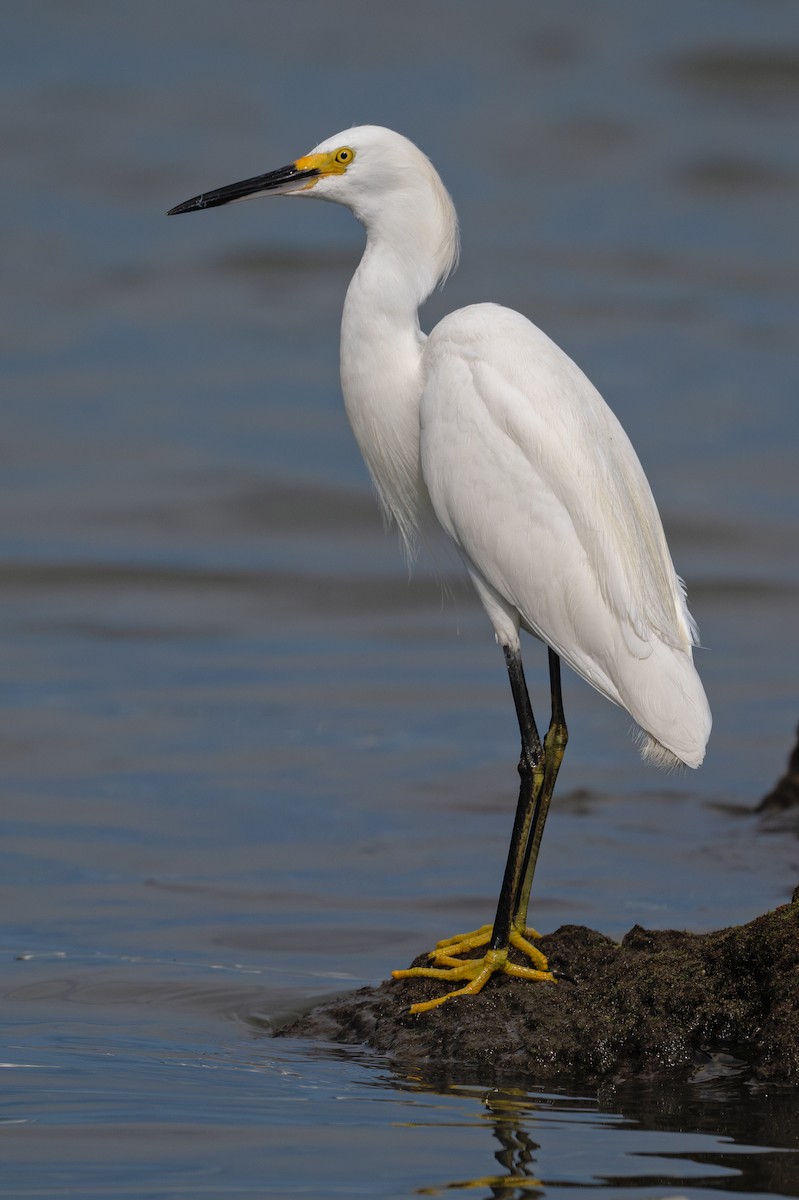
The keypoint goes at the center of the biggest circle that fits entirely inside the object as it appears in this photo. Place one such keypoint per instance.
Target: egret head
(388, 183)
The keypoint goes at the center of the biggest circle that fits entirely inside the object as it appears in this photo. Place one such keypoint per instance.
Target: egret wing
(536, 482)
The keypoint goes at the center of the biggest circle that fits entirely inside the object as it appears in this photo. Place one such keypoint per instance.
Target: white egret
(489, 426)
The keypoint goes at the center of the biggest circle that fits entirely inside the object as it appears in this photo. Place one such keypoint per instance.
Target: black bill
(284, 179)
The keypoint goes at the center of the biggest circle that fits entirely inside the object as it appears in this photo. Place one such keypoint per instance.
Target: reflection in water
(507, 1112)
(547, 1141)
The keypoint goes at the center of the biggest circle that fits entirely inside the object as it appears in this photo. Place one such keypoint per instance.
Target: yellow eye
(344, 156)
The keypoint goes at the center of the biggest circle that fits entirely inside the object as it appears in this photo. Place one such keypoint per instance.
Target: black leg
(531, 774)
(538, 768)
(554, 749)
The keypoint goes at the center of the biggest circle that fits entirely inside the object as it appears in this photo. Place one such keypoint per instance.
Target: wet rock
(660, 1002)
(785, 793)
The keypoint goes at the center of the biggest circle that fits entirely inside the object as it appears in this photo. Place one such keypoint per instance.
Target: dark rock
(785, 793)
(662, 1001)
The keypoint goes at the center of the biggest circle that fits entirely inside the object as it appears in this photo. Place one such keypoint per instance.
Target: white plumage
(536, 482)
(491, 428)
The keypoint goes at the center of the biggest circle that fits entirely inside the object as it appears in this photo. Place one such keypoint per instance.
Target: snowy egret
(488, 426)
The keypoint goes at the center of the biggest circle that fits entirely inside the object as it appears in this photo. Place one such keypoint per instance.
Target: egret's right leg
(538, 769)
(554, 748)
(532, 775)
(507, 929)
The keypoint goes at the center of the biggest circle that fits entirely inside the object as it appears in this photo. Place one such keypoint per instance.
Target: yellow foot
(463, 942)
(476, 971)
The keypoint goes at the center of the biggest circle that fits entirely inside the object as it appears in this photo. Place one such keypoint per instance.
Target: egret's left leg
(554, 748)
(505, 931)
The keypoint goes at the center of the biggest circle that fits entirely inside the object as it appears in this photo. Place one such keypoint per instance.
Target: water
(247, 764)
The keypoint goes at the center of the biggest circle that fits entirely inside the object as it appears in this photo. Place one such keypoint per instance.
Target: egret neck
(409, 249)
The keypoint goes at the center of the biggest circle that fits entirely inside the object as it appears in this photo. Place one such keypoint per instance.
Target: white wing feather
(536, 482)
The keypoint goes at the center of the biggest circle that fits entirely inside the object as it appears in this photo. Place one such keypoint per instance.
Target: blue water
(246, 762)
